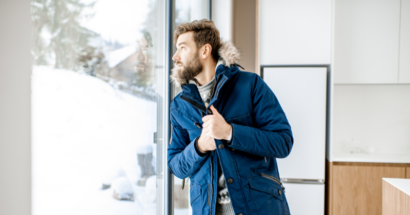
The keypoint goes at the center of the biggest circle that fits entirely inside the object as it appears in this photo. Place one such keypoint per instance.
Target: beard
(188, 71)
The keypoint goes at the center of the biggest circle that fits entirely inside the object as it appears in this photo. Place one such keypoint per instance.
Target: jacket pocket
(196, 197)
(268, 195)
(241, 120)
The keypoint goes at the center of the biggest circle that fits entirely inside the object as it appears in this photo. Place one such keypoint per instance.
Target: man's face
(142, 57)
(187, 62)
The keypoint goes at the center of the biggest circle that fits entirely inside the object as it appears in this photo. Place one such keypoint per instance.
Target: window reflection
(96, 106)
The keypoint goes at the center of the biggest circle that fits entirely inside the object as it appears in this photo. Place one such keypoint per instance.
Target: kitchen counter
(396, 196)
(376, 157)
(400, 183)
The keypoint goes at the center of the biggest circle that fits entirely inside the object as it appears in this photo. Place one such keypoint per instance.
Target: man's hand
(215, 126)
(206, 143)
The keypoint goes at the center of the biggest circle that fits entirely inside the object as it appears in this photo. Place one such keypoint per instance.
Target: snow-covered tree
(59, 38)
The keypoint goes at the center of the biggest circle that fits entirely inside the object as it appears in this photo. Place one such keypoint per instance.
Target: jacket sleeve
(271, 136)
(183, 159)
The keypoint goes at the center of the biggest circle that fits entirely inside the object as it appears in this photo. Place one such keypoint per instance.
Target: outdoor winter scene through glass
(98, 69)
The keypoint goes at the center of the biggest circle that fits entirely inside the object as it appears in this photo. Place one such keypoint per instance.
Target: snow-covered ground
(83, 131)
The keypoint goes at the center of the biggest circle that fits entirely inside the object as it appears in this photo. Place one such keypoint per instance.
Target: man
(228, 128)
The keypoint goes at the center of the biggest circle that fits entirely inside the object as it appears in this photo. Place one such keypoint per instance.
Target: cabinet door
(404, 74)
(366, 41)
(357, 189)
(408, 172)
(295, 32)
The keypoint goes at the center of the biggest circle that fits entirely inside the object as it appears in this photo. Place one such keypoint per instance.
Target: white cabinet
(295, 32)
(366, 41)
(404, 63)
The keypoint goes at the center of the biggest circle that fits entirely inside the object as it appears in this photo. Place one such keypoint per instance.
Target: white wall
(374, 115)
(222, 17)
(15, 108)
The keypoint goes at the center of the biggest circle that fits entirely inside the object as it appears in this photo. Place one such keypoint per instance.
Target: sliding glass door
(185, 11)
(100, 99)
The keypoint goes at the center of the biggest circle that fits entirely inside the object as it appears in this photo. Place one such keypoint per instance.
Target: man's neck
(207, 74)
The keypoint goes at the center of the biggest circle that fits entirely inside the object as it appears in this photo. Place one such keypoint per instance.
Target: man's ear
(206, 50)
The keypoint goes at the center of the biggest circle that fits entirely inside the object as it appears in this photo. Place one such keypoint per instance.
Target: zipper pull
(198, 125)
(266, 160)
(183, 182)
(235, 64)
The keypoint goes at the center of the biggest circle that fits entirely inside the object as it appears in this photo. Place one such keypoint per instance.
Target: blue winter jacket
(260, 134)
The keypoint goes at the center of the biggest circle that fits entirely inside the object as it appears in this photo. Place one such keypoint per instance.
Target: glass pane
(185, 11)
(97, 91)
(188, 11)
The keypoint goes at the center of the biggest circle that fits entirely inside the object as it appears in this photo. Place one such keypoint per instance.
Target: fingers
(206, 118)
(207, 132)
(214, 111)
(207, 123)
(214, 114)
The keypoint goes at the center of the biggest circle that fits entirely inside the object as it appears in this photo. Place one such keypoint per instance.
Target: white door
(305, 199)
(301, 92)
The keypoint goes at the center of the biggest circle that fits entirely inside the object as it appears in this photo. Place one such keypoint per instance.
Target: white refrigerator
(302, 93)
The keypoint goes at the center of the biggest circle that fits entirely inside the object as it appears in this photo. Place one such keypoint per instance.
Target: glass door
(99, 104)
(185, 11)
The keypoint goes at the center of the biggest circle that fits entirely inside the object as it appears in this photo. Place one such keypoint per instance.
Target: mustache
(176, 74)
(188, 72)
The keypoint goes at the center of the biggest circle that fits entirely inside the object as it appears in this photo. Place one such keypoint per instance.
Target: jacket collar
(227, 67)
(222, 74)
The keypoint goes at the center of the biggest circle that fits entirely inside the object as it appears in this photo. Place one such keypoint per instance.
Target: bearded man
(228, 128)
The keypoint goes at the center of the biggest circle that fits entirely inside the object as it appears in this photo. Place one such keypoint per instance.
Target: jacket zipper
(216, 83)
(203, 110)
(212, 190)
(273, 179)
(213, 92)
(220, 85)
(194, 103)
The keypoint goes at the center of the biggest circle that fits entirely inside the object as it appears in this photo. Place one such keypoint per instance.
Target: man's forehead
(185, 38)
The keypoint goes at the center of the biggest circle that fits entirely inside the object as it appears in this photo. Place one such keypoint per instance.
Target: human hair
(204, 32)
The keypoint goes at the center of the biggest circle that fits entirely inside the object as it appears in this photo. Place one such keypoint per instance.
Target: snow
(123, 189)
(84, 131)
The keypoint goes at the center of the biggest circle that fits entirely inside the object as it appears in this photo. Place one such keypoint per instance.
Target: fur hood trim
(228, 53)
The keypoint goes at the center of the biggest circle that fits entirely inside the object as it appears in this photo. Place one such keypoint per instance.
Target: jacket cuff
(200, 153)
(237, 144)
(229, 141)
(191, 153)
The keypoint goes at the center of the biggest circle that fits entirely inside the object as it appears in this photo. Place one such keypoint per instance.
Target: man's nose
(175, 57)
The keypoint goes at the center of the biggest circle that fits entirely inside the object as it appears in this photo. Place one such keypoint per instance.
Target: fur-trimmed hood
(228, 53)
